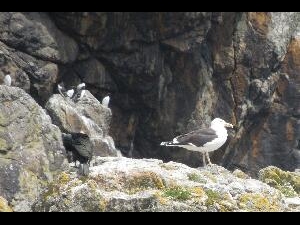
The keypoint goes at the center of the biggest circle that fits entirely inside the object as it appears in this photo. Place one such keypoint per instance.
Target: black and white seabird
(75, 95)
(70, 93)
(203, 140)
(79, 93)
(79, 148)
(105, 101)
(63, 91)
(7, 80)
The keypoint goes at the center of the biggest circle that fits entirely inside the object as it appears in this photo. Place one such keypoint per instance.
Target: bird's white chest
(217, 142)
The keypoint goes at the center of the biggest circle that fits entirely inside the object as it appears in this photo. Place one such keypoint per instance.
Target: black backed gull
(203, 140)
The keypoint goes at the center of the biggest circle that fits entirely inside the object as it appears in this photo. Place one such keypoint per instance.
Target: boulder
(87, 115)
(31, 148)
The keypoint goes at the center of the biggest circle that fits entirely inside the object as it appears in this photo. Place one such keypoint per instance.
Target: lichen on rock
(4, 207)
(288, 183)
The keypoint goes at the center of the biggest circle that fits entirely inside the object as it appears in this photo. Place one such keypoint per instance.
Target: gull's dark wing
(198, 137)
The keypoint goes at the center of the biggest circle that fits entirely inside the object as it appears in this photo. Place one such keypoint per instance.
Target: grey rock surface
(31, 149)
(87, 115)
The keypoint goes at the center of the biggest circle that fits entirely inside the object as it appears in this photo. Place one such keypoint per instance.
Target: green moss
(3, 144)
(53, 187)
(178, 193)
(212, 197)
(4, 207)
(220, 202)
(196, 178)
(286, 182)
(143, 181)
(258, 203)
(287, 190)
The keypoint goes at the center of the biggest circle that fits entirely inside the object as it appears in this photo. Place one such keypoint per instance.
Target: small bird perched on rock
(79, 148)
(70, 93)
(105, 101)
(74, 95)
(7, 80)
(62, 90)
(79, 93)
(203, 140)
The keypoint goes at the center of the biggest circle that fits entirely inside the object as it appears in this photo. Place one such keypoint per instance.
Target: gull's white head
(105, 101)
(80, 86)
(217, 122)
(70, 93)
(7, 80)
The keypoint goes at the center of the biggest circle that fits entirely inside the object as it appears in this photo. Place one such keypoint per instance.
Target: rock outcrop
(123, 184)
(168, 73)
(31, 149)
(87, 115)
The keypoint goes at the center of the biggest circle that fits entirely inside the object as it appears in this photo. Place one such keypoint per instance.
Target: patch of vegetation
(288, 183)
(258, 203)
(143, 181)
(178, 193)
(196, 178)
(213, 197)
(64, 178)
(54, 186)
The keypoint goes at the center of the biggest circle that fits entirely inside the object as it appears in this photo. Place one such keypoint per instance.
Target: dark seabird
(79, 93)
(64, 92)
(79, 148)
(203, 140)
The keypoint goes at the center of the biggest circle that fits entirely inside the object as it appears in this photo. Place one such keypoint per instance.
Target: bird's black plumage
(79, 92)
(79, 148)
(198, 137)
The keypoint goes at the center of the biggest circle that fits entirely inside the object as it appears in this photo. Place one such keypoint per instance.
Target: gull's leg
(209, 162)
(203, 159)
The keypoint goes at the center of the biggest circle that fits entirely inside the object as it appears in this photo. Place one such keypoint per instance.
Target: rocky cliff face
(31, 149)
(168, 73)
